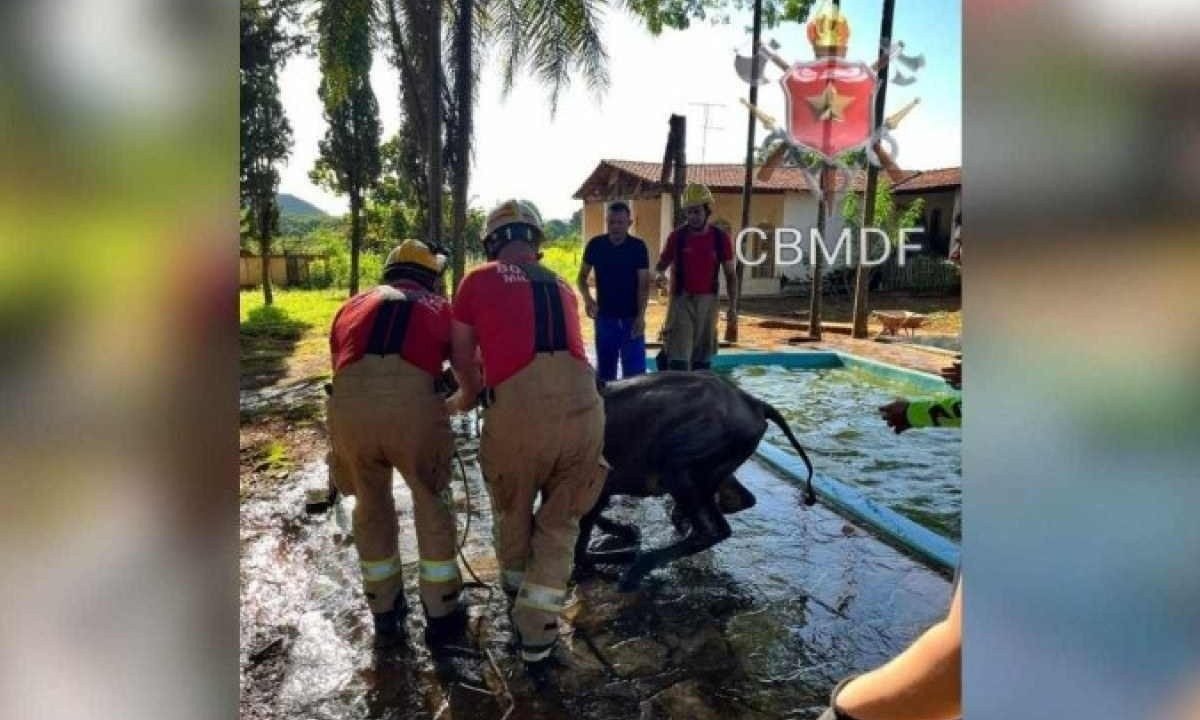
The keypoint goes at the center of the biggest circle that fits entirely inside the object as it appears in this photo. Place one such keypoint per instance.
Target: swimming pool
(833, 412)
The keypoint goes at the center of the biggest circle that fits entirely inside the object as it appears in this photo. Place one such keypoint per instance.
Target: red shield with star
(829, 105)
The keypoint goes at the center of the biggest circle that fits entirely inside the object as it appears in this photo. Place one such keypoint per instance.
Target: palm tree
(464, 69)
(553, 39)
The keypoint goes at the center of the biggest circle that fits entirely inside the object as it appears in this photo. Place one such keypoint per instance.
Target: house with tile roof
(781, 200)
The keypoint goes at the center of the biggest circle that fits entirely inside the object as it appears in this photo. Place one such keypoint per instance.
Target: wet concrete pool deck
(759, 627)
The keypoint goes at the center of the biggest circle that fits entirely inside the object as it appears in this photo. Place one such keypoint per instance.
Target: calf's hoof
(733, 497)
(583, 571)
(626, 533)
(631, 580)
(613, 542)
(628, 584)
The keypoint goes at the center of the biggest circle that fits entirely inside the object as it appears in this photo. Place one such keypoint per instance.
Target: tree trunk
(434, 65)
(863, 274)
(679, 131)
(464, 75)
(410, 60)
(814, 301)
(355, 238)
(264, 243)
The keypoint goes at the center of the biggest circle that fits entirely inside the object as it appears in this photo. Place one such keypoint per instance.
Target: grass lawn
(289, 341)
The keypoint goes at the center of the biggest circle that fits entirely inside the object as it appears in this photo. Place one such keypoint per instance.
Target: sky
(521, 151)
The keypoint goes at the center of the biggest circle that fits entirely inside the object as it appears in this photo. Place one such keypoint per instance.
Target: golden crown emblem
(829, 32)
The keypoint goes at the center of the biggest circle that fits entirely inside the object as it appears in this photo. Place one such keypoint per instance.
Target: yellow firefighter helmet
(695, 194)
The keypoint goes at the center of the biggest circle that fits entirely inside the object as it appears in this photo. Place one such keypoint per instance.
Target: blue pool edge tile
(920, 540)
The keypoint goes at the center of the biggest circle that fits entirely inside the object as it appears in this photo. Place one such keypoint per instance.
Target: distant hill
(292, 206)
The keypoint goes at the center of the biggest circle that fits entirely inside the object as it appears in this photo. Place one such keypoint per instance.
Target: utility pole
(862, 274)
(704, 133)
(824, 206)
(735, 293)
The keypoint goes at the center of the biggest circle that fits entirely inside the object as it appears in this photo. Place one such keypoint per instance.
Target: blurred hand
(895, 414)
(953, 375)
(589, 306)
(660, 280)
(456, 403)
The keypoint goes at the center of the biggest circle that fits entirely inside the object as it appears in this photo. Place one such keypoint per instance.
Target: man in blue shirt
(622, 267)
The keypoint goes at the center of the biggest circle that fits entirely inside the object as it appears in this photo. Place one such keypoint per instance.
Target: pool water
(833, 413)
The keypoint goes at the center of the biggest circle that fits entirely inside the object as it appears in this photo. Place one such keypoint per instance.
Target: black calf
(680, 434)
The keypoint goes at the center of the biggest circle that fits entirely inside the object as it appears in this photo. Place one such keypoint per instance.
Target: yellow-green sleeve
(938, 412)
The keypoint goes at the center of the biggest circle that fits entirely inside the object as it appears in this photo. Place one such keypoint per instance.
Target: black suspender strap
(681, 242)
(390, 327)
(718, 244)
(550, 327)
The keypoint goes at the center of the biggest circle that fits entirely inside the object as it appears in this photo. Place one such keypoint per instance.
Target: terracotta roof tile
(728, 177)
(921, 180)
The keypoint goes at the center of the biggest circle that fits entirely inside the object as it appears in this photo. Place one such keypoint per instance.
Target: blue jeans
(614, 341)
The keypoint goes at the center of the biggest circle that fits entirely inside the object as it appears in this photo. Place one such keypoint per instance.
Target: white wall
(800, 213)
(665, 220)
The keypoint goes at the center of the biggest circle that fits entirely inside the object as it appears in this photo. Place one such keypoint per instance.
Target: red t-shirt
(703, 254)
(497, 300)
(370, 322)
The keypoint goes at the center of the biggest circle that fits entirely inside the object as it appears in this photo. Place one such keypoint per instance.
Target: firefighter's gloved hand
(895, 414)
(447, 384)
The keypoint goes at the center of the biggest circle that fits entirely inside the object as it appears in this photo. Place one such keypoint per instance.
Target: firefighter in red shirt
(543, 426)
(695, 251)
(385, 411)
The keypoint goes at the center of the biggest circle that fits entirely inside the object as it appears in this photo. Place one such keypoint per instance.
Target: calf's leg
(708, 527)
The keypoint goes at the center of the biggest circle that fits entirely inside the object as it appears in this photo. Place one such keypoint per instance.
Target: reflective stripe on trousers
(439, 571)
(378, 570)
(540, 597)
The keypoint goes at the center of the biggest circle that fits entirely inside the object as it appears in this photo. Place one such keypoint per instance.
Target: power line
(704, 133)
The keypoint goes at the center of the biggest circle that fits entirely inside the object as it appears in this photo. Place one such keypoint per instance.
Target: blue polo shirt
(616, 269)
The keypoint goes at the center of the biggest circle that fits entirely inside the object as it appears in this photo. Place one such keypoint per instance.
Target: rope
(476, 582)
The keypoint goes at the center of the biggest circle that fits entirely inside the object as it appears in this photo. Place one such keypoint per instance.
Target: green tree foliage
(348, 161)
(889, 216)
(266, 135)
(679, 14)
(551, 39)
(557, 229)
(395, 200)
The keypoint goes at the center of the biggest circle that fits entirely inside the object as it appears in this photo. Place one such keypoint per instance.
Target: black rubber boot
(660, 360)
(389, 626)
(445, 630)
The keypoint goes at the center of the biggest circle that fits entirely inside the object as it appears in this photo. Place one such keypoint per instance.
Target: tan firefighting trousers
(543, 433)
(384, 414)
(690, 331)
